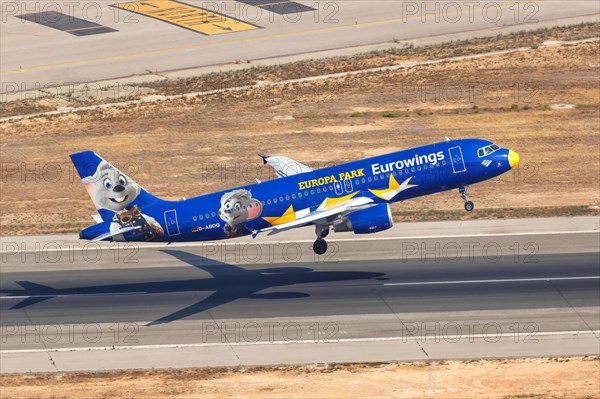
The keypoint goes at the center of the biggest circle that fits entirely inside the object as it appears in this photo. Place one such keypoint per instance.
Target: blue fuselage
(430, 168)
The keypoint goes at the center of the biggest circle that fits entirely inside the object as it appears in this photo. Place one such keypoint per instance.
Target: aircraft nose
(513, 158)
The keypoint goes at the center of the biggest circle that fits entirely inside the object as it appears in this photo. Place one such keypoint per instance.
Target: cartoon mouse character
(238, 207)
(112, 190)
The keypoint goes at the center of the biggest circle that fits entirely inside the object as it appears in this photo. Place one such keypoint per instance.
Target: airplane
(350, 197)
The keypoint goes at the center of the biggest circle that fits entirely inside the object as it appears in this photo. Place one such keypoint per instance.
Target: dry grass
(189, 147)
(554, 378)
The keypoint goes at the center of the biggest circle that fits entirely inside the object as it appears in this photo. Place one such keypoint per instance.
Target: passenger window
(280, 199)
(318, 191)
(207, 216)
(293, 196)
(274, 200)
(299, 195)
(213, 214)
(287, 197)
(200, 217)
(312, 192)
(195, 219)
(269, 202)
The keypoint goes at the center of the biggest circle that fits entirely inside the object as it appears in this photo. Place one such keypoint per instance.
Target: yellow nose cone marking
(513, 158)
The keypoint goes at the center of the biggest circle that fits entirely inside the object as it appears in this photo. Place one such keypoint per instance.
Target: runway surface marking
(408, 337)
(516, 280)
(66, 23)
(187, 16)
(508, 280)
(202, 243)
(236, 41)
(283, 7)
(76, 295)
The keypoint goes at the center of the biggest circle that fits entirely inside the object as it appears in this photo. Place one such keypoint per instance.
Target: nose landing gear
(320, 245)
(469, 206)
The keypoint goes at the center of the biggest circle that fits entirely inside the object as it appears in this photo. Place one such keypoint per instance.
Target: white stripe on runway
(510, 280)
(387, 284)
(86, 245)
(68, 295)
(450, 338)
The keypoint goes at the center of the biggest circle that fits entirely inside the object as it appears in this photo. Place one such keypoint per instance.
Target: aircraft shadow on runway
(228, 284)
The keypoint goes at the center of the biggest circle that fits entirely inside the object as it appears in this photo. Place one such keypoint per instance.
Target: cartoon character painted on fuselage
(238, 207)
(111, 190)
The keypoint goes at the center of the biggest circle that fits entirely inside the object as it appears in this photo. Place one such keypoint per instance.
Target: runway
(39, 51)
(187, 310)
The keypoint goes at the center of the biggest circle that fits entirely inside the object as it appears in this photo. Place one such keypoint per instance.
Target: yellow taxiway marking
(187, 16)
(225, 42)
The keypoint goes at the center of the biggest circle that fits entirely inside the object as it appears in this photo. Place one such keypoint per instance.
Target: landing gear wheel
(320, 246)
(469, 206)
(325, 233)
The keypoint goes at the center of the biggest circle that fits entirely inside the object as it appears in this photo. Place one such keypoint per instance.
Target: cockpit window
(487, 150)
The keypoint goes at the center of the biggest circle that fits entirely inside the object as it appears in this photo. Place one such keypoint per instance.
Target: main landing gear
(469, 206)
(320, 245)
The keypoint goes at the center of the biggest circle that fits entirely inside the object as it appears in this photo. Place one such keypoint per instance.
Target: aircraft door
(348, 186)
(171, 223)
(456, 157)
(338, 188)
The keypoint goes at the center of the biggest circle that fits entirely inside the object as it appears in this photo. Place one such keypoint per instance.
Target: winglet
(264, 158)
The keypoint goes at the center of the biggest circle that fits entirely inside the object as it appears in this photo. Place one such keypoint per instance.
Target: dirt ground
(185, 148)
(550, 378)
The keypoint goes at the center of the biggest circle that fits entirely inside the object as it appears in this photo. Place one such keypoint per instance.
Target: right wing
(285, 166)
(322, 215)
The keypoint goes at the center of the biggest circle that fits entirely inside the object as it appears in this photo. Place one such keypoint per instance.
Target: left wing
(285, 166)
(322, 215)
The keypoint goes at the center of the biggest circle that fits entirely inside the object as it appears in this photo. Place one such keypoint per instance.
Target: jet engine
(371, 220)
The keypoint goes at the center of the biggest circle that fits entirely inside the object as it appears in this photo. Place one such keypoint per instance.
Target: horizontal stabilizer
(112, 234)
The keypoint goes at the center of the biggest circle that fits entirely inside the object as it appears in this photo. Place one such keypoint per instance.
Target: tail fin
(110, 189)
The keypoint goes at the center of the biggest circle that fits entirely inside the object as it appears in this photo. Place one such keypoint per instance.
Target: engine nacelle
(371, 220)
